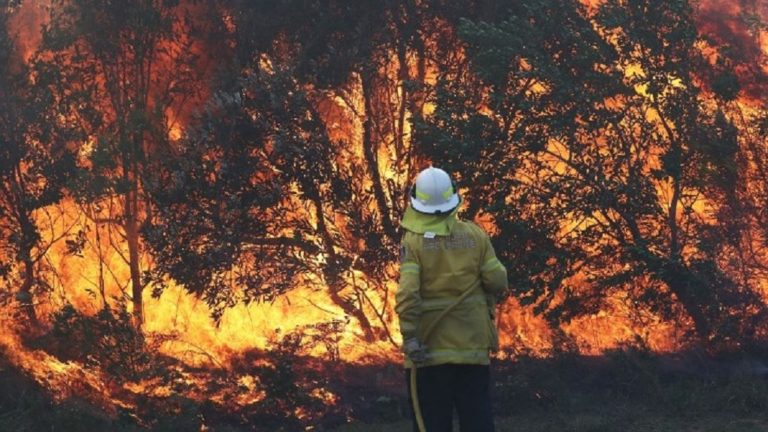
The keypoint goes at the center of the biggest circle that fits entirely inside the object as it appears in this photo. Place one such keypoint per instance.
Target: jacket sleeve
(492, 273)
(408, 296)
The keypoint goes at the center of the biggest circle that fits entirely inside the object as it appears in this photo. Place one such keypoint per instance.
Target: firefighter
(447, 263)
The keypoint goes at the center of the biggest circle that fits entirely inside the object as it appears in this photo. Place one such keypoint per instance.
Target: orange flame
(99, 276)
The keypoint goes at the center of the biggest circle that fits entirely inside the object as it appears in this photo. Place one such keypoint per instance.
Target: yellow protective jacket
(441, 258)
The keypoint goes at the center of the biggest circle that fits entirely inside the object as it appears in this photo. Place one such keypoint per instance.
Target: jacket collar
(421, 223)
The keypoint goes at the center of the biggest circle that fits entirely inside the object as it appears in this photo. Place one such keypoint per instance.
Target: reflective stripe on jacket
(436, 268)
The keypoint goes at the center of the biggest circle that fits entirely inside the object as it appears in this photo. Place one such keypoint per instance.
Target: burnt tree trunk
(132, 238)
(25, 296)
(334, 282)
(372, 160)
(681, 281)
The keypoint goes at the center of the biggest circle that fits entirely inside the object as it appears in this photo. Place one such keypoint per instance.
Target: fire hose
(414, 392)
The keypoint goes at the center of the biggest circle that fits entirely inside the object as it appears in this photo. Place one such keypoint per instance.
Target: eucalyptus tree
(535, 74)
(318, 93)
(125, 73)
(596, 153)
(696, 175)
(36, 166)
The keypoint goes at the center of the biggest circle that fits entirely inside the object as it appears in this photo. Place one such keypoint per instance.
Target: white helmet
(434, 192)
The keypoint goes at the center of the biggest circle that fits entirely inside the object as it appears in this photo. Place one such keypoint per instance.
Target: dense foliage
(243, 149)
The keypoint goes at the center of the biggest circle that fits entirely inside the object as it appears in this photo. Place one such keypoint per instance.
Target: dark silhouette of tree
(590, 150)
(698, 164)
(609, 158)
(123, 73)
(35, 167)
(734, 169)
(225, 227)
(303, 67)
(537, 75)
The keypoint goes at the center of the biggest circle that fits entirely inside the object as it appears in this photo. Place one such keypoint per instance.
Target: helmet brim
(438, 209)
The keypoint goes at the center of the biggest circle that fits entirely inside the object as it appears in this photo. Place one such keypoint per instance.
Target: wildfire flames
(96, 273)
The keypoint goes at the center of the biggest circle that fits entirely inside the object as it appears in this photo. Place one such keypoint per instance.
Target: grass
(638, 421)
(624, 391)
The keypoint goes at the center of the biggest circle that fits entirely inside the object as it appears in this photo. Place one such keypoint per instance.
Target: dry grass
(597, 423)
(622, 392)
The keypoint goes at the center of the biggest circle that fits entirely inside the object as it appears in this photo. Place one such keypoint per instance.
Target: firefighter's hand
(415, 350)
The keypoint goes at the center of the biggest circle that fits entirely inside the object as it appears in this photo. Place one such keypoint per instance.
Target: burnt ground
(628, 390)
(25, 406)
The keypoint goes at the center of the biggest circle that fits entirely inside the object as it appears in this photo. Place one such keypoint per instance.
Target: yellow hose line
(415, 399)
(414, 392)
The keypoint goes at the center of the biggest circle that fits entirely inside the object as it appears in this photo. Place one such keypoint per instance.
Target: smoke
(739, 29)
(26, 23)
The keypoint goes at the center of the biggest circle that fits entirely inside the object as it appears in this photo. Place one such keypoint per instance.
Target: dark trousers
(445, 387)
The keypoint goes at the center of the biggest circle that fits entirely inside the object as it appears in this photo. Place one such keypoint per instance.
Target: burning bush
(107, 340)
(239, 155)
